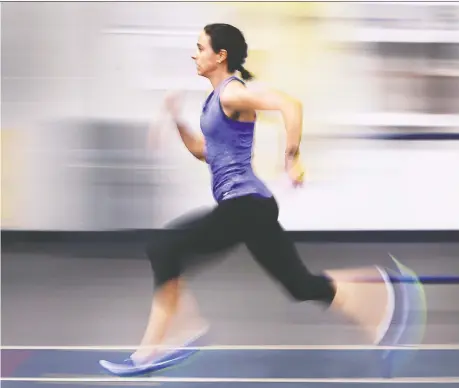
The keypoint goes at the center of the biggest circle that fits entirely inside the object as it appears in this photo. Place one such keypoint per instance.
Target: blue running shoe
(129, 368)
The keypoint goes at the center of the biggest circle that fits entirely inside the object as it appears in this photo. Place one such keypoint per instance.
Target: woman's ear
(222, 56)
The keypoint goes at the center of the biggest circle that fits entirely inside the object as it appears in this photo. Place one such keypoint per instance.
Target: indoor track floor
(64, 307)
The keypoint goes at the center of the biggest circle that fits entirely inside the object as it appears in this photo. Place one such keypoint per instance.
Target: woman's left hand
(295, 170)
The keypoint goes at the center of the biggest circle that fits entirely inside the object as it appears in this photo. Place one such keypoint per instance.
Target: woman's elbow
(297, 104)
(200, 156)
(292, 105)
(199, 151)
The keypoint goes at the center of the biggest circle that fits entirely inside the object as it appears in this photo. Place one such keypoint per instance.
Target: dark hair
(229, 38)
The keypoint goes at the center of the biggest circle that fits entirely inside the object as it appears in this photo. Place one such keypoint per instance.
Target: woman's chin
(201, 73)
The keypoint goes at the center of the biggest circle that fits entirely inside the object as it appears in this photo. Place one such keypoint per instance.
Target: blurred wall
(69, 69)
(82, 85)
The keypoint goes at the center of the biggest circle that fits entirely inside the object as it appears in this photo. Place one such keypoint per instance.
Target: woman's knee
(315, 288)
(164, 254)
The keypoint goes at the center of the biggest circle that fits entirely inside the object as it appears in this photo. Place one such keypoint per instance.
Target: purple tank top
(229, 151)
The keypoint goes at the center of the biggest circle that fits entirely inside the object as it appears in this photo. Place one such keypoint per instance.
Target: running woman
(246, 211)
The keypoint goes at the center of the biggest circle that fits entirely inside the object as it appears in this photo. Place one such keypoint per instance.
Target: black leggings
(250, 220)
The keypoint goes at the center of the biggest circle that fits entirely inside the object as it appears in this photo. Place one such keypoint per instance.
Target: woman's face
(205, 58)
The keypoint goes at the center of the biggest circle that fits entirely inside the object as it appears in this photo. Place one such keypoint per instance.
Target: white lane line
(436, 380)
(244, 347)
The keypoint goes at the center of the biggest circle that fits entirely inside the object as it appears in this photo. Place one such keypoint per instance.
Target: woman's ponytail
(245, 74)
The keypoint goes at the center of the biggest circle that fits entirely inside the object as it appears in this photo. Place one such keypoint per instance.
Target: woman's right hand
(173, 103)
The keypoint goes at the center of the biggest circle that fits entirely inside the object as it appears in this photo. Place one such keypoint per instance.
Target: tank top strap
(226, 82)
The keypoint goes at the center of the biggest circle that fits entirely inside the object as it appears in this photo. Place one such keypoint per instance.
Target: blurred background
(82, 85)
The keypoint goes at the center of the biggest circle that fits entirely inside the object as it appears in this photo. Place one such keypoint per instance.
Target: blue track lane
(242, 363)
